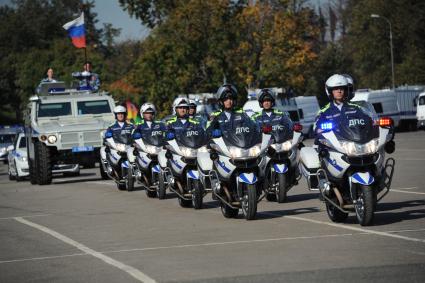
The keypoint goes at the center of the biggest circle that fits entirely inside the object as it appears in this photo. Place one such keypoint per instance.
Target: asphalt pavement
(83, 229)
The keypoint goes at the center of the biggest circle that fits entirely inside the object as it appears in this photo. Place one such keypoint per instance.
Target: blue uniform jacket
(120, 134)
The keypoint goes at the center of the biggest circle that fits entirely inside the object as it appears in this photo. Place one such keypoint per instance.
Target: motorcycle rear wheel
(129, 181)
(185, 202)
(335, 214)
(227, 211)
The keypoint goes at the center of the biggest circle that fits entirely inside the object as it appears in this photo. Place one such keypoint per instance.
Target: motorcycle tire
(249, 202)
(227, 211)
(271, 196)
(335, 214)
(281, 194)
(161, 187)
(129, 181)
(197, 194)
(121, 186)
(184, 202)
(102, 170)
(44, 164)
(365, 205)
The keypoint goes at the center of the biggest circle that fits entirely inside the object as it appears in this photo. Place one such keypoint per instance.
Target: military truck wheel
(44, 164)
(33, 173)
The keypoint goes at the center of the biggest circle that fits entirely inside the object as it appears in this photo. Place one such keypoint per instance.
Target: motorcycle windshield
(195, 137)
(241, 132)
(282, 133)
(357, 126)
(155, 140)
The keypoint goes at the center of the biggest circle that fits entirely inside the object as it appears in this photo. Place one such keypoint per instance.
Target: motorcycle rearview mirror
(297, 127)
(213, 155)
(389, 147)
(267, 129)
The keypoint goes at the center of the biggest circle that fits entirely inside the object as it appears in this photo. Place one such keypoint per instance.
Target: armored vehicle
(65, 126)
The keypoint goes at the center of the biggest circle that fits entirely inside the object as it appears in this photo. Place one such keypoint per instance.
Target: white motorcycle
(118, 162)
(280, 166)
(349, 167)
(149, 172)
(183, 176)
(236, 153)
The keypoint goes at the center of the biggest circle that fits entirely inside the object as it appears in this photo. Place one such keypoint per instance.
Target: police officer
(121, 130)
(181, 120)
(193, 115)
(148, 126)
(48, 79)
(227, 95)
(270, 116)
(340, 109)
(87, 78)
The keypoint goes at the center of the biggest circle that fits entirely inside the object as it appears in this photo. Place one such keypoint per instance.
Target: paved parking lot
(83, 229)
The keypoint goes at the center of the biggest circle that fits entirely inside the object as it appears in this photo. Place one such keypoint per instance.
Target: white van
(384, 102)
(308, 107)
(420, 110)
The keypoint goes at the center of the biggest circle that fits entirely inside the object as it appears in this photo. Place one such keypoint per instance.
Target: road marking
(405, 230)
(103, 183)
(231, 243)
(399, 191)
(27, 216)
(357, 229)
(41, 258)
(411, 188)
(135, 273)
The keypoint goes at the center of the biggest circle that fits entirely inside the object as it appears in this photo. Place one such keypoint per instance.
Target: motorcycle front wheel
(160, 192)
(365, 205)
(249, 202)
(281, 194)
(197, 194)
(129, 181)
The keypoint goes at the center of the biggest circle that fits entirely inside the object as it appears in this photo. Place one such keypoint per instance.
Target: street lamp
(391, 44)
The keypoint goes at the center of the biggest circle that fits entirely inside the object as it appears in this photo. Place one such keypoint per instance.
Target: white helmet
(192, 102)
(335, 81)
(120, 109)
(180, 102)
(148, 107)
(350, 86)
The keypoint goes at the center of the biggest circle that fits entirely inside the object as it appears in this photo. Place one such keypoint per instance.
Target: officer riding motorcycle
(185, 137)
(117, 158)
(148, 142)
(279, 168)
(237, 148)
(194, 115)
(351, 144)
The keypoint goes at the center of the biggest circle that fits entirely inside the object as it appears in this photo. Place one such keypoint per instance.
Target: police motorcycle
(353, 174)
(182, 174)
(279, 168)
(148, 146)
(237, 151)
(117, 158)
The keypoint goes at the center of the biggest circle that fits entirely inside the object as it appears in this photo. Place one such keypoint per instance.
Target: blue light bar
(326, 126)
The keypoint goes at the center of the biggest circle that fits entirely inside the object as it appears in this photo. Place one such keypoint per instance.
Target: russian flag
(77, 31)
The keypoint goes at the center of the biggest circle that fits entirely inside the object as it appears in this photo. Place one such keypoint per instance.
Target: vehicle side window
(93, 107)
(23, 142)
(422, 100)
(378, 107)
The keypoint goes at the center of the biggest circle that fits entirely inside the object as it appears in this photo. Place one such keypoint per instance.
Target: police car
(7, 136)
(17, 157)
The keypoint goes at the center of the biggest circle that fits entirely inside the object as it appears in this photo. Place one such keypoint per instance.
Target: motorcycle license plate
(82, 148)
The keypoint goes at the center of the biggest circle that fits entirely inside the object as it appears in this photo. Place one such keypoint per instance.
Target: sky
(109, 11)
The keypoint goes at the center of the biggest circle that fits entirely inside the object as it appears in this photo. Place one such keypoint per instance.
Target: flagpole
(85, 55)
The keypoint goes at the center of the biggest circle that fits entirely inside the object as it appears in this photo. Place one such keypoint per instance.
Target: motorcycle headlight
(52, 139)
(120, 147)
(203, 149)
(355, 149)
(151, 149)
(188, 152)
(237, 152)
(286, 146)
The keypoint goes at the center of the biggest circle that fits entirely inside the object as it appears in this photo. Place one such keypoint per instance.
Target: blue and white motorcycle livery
(149, 172)
(183, 176)
(236, 151)
(353, 173)
(280, 166)
(118, 162)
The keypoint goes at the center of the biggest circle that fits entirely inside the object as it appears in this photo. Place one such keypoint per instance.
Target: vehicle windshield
(422, 100)
(193, 137)
(93, 107)
(357, 126)
(7, 138)
(241, 132)
(156, 138)
(54, 109)
(282, 131)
